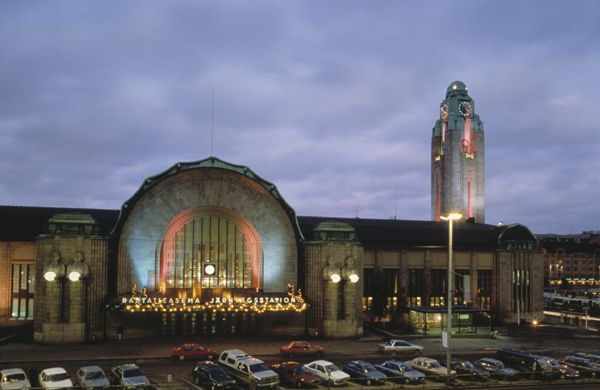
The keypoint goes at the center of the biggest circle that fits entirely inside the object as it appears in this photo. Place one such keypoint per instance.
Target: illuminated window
(22, 286)
(209, 251)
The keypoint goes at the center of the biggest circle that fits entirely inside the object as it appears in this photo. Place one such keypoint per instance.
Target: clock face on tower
(465, 109)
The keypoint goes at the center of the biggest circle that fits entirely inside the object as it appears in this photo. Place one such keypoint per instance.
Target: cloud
(332, 102)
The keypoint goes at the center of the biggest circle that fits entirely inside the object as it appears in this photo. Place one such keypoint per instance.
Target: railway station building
(209, 247)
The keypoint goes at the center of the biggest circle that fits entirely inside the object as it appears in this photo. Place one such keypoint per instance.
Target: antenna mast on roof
(396, 201)
(212, 122)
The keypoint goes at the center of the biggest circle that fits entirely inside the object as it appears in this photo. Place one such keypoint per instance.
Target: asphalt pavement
(552, 341)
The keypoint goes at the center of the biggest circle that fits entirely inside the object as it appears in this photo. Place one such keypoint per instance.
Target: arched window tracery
(210, 250)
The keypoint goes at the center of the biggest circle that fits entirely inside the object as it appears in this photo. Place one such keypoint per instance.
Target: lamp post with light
(450, 218)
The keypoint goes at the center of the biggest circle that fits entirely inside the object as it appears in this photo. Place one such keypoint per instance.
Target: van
(230, 357)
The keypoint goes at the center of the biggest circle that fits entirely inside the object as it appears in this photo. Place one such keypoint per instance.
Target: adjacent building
(571, 259)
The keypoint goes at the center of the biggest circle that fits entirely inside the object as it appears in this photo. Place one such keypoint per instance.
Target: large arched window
(212, 248)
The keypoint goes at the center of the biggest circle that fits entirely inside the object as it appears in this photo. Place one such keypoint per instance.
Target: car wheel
(368, 382)
(419, 352)
(181, 357)
(210, 357)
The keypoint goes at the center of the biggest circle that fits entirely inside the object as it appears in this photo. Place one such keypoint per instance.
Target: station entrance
(209, 324)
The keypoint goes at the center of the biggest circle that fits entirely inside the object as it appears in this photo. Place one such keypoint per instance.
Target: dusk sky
(332, 101)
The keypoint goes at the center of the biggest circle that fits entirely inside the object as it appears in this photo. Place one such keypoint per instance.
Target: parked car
(430, 366)
(496, 368)
(92, 377)
(528, 364)
(364, 372)
(14, 379)
(129, 376)
(563, 371)
(301, 348)
(401, 371)
(328, 372)
(296, 374)
(467, 370)
(210, 375)
(193, 351)
(594, 358)
(397, 346)
(55, 378)
(585, 366)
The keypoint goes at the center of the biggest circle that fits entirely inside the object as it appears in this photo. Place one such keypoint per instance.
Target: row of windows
(384, 288)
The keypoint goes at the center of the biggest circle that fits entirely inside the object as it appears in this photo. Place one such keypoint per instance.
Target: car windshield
(554, 363)
(217, 373)
(258, 367)
(133, 372)
(468, 365)
(434, 365)
(59, 377)
(368, 367)
(300, 370)
(331, 367)
(499, 365)
(94, 375)
(400, 367)
(544, 363)
(14, 377)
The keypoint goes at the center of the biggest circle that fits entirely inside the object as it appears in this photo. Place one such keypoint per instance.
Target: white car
(430, 366)
(55, 378)
(396, 346)
(92, 377)
(328, 372)
(14, 379)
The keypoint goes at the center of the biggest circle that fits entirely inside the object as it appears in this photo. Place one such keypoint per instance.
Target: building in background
(571, 259)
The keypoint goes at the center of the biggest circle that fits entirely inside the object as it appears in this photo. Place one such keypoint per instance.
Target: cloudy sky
(333, 101)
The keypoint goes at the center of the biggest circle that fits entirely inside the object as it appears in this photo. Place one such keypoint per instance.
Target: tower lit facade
(457, 158)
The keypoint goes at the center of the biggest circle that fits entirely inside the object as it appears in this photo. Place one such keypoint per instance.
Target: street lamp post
(450, 218)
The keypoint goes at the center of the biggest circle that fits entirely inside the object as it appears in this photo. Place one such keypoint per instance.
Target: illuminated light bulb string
(141, 301)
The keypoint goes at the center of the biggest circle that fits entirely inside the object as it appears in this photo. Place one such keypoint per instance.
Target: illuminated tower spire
(457, 157)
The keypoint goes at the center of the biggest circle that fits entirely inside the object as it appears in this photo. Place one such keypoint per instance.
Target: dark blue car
(401, 372)
(364, 372)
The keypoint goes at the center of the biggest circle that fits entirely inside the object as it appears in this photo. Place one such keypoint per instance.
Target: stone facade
(71, 310)
(335, 309)
(344, 267)
(205, 191)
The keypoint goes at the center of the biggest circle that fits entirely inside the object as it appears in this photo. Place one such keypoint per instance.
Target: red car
(296, 374)
(192, 351)
(301, 348)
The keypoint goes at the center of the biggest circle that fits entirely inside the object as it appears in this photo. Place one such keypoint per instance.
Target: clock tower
(457, 157)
